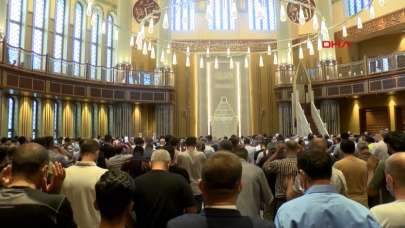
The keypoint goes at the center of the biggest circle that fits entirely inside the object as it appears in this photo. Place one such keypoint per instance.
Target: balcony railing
(121, 74)
(331, 71)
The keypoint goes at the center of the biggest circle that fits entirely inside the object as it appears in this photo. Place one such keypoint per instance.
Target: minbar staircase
(307, 112)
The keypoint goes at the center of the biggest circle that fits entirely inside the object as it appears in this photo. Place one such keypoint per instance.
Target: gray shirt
(255, 191)
(192, 162)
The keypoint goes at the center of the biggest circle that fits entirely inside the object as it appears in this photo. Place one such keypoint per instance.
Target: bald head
(395, 166)
(28, 159)
(318, 144)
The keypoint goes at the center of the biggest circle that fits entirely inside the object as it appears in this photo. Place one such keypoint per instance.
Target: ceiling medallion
(142, 8)
(294, 8)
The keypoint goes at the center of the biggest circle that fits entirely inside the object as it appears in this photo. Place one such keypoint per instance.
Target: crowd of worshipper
(240, 182)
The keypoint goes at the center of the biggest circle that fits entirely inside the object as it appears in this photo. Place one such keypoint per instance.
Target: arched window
(10, 117)
(110, 45)
(95, 43)
(219, 15)
(38, 33)
(355, 6)
(14, 28)
(56, 111)
(78, 37)
(35, 108)
(59, 37)
(183, 14)
(261, 15)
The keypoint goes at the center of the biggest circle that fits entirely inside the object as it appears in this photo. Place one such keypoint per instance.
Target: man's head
(318, 143)
(191, 142)
(395, 173)
(347, 146)
(314, 165)
(241, 153)
(139, 141)
(246, 141)
(160, 159)
(162, 141)
(221, 178)
(30, 161)
(292, 147)
(108, 139)
(395, 142)
(114, 192)
(234, 140)
(225, 145)
(89, 148)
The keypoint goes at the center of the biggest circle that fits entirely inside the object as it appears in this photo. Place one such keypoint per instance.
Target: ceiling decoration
(143, 8)
(297, 12)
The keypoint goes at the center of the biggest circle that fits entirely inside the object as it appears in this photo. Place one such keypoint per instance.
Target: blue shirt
(321, 206)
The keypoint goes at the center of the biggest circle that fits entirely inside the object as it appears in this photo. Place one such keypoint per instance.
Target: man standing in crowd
(114, 192)
(392, 215)
(284, 169)
(379, 148)
(22, 203)
(160, 195)
(192, 161)
(209, 150)
(377, 185)
(256, 191)
(220, 186)
(355, 171)
(106, 151)
(250, 149)
(79, 185)
(321, 205)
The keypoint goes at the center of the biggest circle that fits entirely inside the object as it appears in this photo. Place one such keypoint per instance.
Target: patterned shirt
(283, 169)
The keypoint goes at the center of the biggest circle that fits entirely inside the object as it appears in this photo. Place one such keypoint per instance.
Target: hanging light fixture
(168, 49)
(248, 50)
(371, 11)
(269, 49)
(132, 41)
(139, 46)
(315, 23)
(188, 50)
(208, 52)
(344, 31)
(150, 46)
(187, 61)
(216, 63)
(275, 59)
(261, 64)
(234, 11)
(246, 62)
(324, 30)
(89, 8)
(145, 49)
(174, 59)
(283, 14)
(228, 52)
(319, 44)
(201, 62)
(311, 50)
(103, 27)
(231, 63)
(150, 29)
(165, 23)
(309, 43)
(300, 53)
(301, 16)
(152, 53)
(359, 23)
(162, 57)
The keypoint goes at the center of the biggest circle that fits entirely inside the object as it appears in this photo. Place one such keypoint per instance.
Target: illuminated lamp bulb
(231, 63)
(174, 59)
(201, 63)
(261, 64)
(216, 66)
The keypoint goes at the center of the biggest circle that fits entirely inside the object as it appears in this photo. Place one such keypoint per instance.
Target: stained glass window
(38, 33)
(58, 51)
(95, 43)
(35, 107)
(10, 117)
(110, 45)
(183, 14)
(14, 27)
(355, 6)
(261, 15)
(219, 15)
(77, 38)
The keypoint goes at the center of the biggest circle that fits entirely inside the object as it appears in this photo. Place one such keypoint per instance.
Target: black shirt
(160, 196)
(26, 207)
(180, 171)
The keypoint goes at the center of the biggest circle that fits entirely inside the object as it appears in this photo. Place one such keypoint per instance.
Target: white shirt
(79, 188)
(390, 214)
(251, 153)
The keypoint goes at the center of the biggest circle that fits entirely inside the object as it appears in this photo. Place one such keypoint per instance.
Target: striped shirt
(283, 169)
